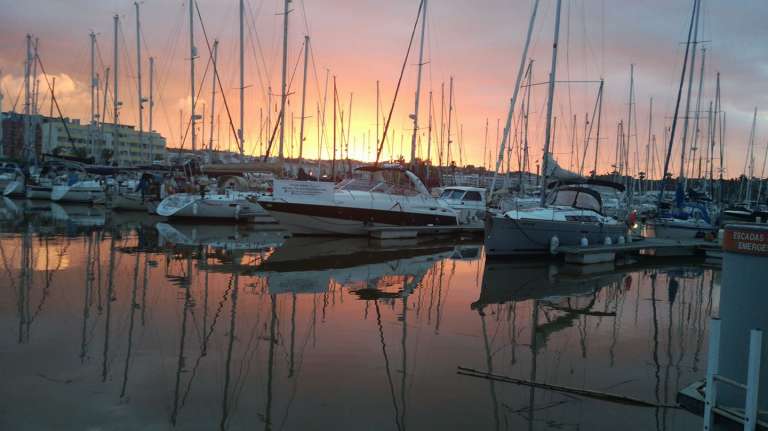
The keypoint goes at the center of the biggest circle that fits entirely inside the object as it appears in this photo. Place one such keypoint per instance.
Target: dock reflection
(154, 324)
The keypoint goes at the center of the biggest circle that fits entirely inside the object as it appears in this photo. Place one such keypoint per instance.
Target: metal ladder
(749, 417)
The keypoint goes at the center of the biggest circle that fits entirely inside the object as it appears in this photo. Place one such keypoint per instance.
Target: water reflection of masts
(25, 282)
(182, 340)
(489, 365)
(131, 325)
(89, 278)
(386, 363)
(271, 362)
(657, 374)
(534, 351)
(110, 293)
(230, 345)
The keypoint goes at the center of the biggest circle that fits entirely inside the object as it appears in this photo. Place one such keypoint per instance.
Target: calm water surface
(112, 322)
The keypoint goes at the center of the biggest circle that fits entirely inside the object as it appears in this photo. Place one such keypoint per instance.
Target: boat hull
(36, 192)
(127, 202)
(77, 194)
(315, 219)
(14, 189)
(679, 229)
(186, 206)
(506, 236)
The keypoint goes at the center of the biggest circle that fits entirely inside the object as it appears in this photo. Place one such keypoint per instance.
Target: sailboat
(688, 219)
(568, 214)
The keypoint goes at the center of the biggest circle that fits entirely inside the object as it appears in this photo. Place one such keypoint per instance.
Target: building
(106, 143)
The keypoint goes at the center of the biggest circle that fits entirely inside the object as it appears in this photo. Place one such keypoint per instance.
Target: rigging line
(261, 68)
(218, 79)
(55, 102)
(197, 98)
(281, 115)
(399, 82)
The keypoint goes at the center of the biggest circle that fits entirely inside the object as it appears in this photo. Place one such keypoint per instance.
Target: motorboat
(468, 202)
(572, 214)
(376, 196)
(231, 205)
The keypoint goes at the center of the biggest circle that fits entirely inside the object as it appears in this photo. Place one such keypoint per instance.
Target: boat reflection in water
(150, 325)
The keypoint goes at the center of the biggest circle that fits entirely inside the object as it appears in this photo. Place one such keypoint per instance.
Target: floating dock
(647, 246)
(402, 232)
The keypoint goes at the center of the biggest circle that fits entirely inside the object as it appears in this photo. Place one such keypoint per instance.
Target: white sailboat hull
(80, 192)
(679, 229)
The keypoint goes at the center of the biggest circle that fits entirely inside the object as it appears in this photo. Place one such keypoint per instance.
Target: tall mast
(418, 84)
(240, 131)
(648, 145)
(94, 90)
(688, 96)
(192, 56)
(668, 156)
(450, 112)
(722, 126)
(213, 100)
(695, 144)
(515, 91)
(377, 110)
(333, 161)
(283, 90)
(28, 98)
(429, 132)
(750, 162)
(151, 105)
(599, 120)
(303, 99)
(550, 99)
(138, 76)
(629, 119)
(115, 94)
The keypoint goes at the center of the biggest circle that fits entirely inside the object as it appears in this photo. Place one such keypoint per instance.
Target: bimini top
(577, 197)
(387, 178)
(590, 182)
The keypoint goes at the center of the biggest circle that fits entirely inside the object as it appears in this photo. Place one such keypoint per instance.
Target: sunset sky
(479, 43)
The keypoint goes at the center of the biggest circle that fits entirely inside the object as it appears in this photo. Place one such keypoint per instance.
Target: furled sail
(556, 173)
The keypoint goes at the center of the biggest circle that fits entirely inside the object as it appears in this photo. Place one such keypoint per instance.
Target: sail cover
(555, 172)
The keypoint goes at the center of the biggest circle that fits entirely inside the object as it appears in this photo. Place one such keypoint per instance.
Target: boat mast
(283, 91)
(192, 56)
(688, 97)
(749, 168)
(28, 98)
(333, 160)
(151, 106)
(668, 156)
(648, 145)
(94, 97)
(550, 99)
(303, 99)
(722, 126)
(138, 75)
(115, 98)
(695, 145)
(515, 91)
(450, 115)
(241, 132)
(213, 100)
(418, 85)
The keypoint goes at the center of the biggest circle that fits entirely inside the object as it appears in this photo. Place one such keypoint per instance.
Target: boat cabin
(393, 180)
(576, 197)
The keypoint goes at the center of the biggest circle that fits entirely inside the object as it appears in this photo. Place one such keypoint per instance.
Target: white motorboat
(572, 214)
(15, 189)
(468, 202)
(229, 205)
(82, 191)
(378, 196)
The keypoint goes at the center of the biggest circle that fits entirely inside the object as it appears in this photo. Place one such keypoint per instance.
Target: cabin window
(473, 196)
